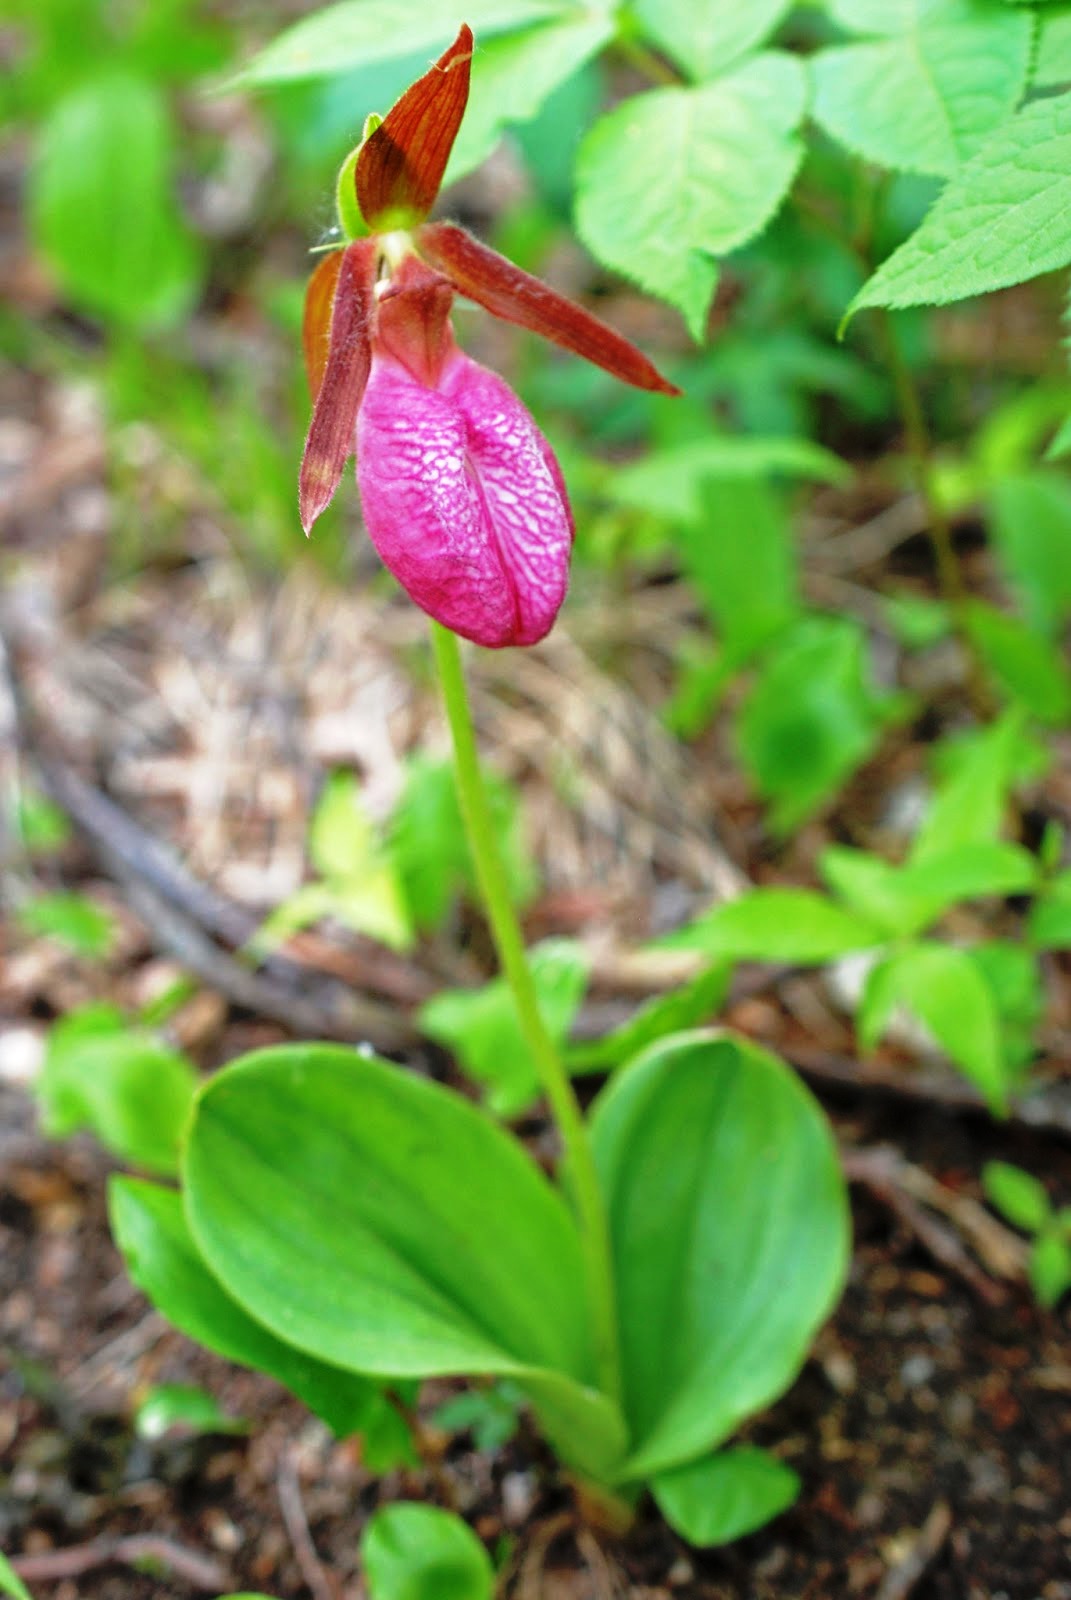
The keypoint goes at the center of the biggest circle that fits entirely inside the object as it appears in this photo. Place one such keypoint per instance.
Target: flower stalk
(509, 945)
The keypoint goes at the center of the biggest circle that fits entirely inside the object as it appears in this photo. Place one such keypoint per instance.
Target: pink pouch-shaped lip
(464, 501)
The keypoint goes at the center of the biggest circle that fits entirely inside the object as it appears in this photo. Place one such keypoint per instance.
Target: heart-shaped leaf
(729, 1225)
(385, 1225)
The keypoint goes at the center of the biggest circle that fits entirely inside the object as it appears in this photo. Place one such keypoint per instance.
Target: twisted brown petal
(481, 274)
(330, 439)
(316, 323)
(401, 164)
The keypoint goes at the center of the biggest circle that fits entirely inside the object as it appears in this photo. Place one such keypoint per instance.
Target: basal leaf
(150, 1229)
(514, 75)
(383, 1224)
(729, 1227)
(705, 37)
(1004, 217)
(923, 98)
(674, 177)
(358, 32)
(725, 1496)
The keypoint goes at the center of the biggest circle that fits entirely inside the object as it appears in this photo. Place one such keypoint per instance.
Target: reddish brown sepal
(401, 164)
(481, 274)
(316, 323)
(330, 439)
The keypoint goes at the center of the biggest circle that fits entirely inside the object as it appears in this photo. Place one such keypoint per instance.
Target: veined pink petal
(464, 500)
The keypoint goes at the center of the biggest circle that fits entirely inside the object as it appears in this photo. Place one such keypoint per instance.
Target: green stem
(509, 943)
(949, 575)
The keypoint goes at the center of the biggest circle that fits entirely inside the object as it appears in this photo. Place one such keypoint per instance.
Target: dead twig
(889, 1178)
(52, 1566)
(319, 1582)
(904, 1577)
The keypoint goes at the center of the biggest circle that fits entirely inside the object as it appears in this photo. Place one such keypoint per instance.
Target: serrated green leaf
(1003, 218)
(512, 78)
(1052, 64)
(1018, 1195)
(674, 177)
(358, 32)
(725, 1496)
(940, 985)
(417, 1552)
(924, 98)
(101, 207)
(705, 37)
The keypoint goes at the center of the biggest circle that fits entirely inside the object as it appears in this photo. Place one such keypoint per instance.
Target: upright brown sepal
(344, 373)
(401, 164)
(316, 323)
(481, 274)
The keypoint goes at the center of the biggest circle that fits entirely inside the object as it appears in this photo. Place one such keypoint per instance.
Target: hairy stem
(509, 944)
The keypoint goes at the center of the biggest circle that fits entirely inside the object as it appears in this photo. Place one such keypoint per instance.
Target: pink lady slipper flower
(461, 494)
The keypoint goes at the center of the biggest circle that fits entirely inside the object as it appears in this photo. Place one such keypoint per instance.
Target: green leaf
(10, 1582)
(705, 37)
(1052, 62)
(42, 826)
(149, 1227)
(696, 1002)
(417, 1552)
(725, 1496)
(101, 207)
(1031, 526)
(481, 1026)
(924, 98)
(184, 1406)
(73, 920)
(917, 620)
(1049, 926)
(310, 1174)
(741, 559)
(131, 1090)
(793, 925)
(1026, 667)
(1017, 1194)
(811, 717)
(363, 887)
(941, 986)
(514, 76)
(1060, 445)
(730, 1233)
(359, 32)
(674, 177)
(1049, 1269)
(1012, 974)
(970, 803)
(674, 483)
(904, 900)
(491, 1414)
(1004, 217)
(429, 849)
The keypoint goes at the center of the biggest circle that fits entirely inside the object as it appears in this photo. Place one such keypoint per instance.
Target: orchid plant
(353, 1228)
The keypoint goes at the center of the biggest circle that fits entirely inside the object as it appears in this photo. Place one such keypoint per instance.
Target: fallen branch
(136, 1549)
(316, 1577)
